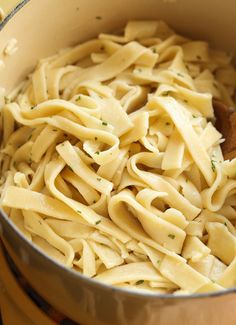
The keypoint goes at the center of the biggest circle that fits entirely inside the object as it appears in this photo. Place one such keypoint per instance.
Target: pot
(43, 27)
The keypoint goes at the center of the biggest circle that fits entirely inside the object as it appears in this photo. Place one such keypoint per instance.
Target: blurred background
(8, 5)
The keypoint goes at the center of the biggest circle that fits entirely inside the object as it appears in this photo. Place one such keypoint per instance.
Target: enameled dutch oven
(41, 28)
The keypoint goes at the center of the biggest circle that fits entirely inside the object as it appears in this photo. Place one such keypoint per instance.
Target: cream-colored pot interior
(43, 27)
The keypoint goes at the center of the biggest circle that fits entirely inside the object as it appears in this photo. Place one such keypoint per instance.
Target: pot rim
(77, 274)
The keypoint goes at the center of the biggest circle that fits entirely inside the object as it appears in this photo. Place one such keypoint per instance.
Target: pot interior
(41, 28)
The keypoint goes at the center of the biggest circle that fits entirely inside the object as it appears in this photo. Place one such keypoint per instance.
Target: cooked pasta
(111, 164)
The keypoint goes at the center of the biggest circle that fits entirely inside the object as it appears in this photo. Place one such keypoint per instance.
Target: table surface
(16, 306)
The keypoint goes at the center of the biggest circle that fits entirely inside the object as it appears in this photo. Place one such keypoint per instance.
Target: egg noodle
(111, 164)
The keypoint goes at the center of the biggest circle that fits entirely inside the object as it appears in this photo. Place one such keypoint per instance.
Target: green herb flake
(139, 282)
(104, 123)
(32, 107)
(213, 166)
(97, 153)
(7, 100)
(97, 222)
(225, 224)
(194, 116)
(166, 93)
(139, 70)
(180, 74)
(158, 261)
(98, 17)
(171, 236)
(99, 179)
(154, 50)
(78, 98)
(79, 211)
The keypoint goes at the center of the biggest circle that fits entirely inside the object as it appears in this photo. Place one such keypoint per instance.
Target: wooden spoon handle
(226, 124)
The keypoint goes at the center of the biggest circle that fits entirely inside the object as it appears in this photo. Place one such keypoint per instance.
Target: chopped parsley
(180, 74)
(99, 179)
(166, 93)
(225, 224)
(97, 153)
(171, 236)
(154, 50)
(194, 116)
(98, 17)
(32, 107)
(104, 123)
(213, 166)
(7, 100)
(78, 98)
(139, 282)
(79, 211)
(158, 261)
(139, 70)
(97, 222)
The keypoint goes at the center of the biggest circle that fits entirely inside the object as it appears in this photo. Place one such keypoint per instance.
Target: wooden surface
(16, 307)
